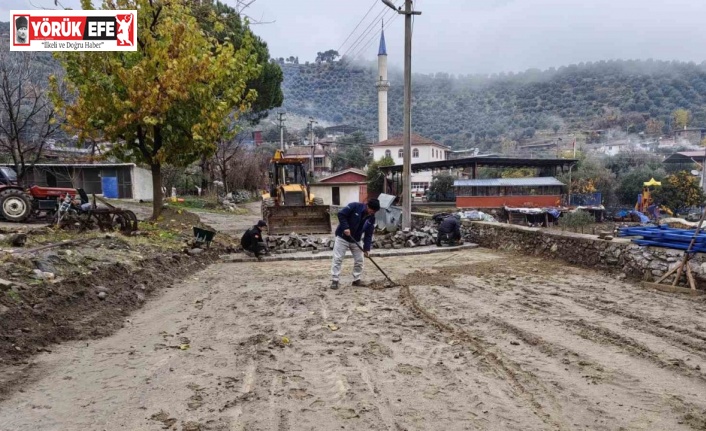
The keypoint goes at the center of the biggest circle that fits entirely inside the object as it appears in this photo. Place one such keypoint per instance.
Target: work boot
(359, 283)
(334, 284)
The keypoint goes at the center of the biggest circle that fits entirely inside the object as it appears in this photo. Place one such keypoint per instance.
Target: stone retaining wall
(619, 255)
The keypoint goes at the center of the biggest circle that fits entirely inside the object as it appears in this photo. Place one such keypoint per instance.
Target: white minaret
(383, 85)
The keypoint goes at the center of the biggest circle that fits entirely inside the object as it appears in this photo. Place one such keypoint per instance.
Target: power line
(359, 23)
(373, 37)
(367, 31)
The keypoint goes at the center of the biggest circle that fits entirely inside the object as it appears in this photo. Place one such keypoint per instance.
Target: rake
(392, 283)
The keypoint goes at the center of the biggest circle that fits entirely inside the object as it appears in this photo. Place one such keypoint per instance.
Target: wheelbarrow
(203, 236)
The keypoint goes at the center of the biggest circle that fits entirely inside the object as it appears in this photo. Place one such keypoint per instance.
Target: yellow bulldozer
(288, 206)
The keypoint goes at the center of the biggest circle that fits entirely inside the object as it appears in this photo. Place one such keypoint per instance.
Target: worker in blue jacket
(356, 222)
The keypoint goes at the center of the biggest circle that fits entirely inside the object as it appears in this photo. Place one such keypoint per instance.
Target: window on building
(388, 153)
(318, 162)
(399, 153)
(415, 153)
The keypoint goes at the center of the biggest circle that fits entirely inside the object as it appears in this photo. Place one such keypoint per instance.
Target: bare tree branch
(27, 117)
(242, 5)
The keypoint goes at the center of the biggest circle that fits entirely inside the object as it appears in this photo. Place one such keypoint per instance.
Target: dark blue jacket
(355, 217)
(450, 225)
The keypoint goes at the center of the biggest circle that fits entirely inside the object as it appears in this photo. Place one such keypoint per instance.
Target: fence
(587, 199)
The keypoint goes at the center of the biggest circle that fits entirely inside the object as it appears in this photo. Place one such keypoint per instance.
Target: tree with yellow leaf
(681, 118)
(518, 173)
(166, 102)
(679, 191)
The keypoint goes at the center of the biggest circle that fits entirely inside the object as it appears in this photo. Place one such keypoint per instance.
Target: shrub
(575, 220)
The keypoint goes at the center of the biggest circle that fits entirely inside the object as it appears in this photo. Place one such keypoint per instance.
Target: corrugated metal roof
(480, 161)
(511, 182)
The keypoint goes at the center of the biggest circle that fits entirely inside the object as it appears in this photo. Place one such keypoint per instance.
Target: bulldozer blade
(310, 219)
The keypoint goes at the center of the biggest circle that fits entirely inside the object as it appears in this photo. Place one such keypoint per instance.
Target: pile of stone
(405, 238)
(229, 202)
(293, 242)
(411, 237)
(382, 240)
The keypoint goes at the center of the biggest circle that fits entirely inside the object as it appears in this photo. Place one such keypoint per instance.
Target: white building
(110, 180)
(423, 150)
(342, 188)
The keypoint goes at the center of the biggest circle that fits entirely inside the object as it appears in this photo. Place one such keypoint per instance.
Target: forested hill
(478, 110)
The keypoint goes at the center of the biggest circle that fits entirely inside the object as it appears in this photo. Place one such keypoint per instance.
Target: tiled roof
(345, 171)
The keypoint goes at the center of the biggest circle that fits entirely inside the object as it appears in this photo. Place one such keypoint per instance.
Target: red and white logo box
(73, 30)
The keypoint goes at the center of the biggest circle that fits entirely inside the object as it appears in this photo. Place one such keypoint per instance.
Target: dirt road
(227, 223)
(479, 340)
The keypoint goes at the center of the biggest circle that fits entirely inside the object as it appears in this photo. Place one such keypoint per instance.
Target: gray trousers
(340, 246)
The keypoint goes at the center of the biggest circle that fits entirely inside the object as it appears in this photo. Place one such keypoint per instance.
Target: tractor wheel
(266, 203)
(269, 202)
(318, 201)
(15, 205)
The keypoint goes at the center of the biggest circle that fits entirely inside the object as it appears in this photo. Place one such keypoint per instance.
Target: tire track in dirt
(379, 401)
(675, 340)
(601, 335)
(523, 383)
(693, 341)
(581, 365)
(699, 335)
(692, 415)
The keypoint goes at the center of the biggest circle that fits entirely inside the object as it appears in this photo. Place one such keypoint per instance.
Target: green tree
(442, 184)
(376, 179)
(167, 101)
(319, 132)
(630, 159)
(631, 183)
(349, 157)
(350, 152)
(223, 22)
(681, 118)
(327, 56)
(679, 191)
(590, 175)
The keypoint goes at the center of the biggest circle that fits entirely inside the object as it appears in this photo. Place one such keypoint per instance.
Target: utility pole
(407, 144)
(703, 172)
(311, 141)
(281, 130)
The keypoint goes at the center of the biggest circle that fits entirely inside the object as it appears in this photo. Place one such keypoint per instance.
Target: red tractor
(18, 204)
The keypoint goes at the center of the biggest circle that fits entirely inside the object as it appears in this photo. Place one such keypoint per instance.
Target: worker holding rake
(356, 223)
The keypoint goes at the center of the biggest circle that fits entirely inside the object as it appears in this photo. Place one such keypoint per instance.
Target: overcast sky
(480, 36)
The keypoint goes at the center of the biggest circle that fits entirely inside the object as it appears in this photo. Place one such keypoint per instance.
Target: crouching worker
(356, 221)
(252, 241)
(449, 229)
